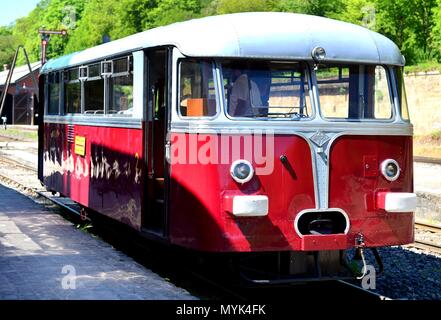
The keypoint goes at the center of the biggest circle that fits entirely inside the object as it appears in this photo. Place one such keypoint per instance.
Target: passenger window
(121, 101)
(72, 92)
(121, 88)
(197, 91)
(54, 93)
(94, 91)
(354, 92)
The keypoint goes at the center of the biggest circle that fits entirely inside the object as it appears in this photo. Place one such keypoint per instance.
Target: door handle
(168, 152)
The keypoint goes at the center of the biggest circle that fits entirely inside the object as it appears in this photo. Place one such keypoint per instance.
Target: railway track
(427, 160)
(427, 245)
(198, 279)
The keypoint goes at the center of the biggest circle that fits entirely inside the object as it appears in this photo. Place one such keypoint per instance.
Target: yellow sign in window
(80, 145)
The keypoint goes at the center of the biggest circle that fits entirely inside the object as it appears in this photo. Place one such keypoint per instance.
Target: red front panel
(355, 179)
(197, 217)
(107, 178)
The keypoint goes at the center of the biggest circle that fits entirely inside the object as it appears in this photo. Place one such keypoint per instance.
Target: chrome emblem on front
(319, 138)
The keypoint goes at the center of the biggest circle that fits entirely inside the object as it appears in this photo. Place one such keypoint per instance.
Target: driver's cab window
(354, 92)
(264, 89)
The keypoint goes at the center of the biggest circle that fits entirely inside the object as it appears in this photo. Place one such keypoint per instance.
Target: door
(155, 209)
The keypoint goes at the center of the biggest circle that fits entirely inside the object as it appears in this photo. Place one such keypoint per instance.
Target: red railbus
(252, 134)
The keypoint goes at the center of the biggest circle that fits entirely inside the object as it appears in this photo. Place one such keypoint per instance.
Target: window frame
(82, 76)
(67, 80)
(215, 83)
(287, 62)
(396, 72)
(347, 120)
(110, 76)
(86, 79)
(118, 114)
(49, 82)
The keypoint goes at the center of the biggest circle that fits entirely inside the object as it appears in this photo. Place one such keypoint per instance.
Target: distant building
(19, 104)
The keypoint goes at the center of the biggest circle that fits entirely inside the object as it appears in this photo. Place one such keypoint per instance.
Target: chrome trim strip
(296, 220)
(392, 129)
(139, 97)
(98, 121)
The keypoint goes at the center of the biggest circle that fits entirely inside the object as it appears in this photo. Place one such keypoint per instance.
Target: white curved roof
(273, 35)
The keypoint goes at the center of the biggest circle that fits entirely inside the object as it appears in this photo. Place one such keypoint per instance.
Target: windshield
(262, 89)
(354, 92)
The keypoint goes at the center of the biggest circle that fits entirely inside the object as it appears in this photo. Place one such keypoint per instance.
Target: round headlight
(241, 171)
(390, 169)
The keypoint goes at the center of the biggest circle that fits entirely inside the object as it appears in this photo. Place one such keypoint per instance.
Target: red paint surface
(324, 242)
(108, 179)
(199, 220)
(355, 193)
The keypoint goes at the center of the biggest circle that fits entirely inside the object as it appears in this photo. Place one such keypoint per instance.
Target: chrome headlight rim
(383, 169)
(240, 180)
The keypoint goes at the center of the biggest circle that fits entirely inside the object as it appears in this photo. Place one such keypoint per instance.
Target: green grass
(423, 67)
(19, 134)
(428, 145)
(436, 135)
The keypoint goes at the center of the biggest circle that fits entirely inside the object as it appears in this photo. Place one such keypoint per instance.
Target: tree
(435, 34)
(232, 6)
(328, 8)
(424, 23)
(98, 20)
(394, 19)
(132, 17)
(360, 12)
(7, 46)
(49, 14)
(169, 11)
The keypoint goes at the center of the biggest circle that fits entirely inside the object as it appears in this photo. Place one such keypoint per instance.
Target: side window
(110, 81)
(54, 92)
(197, 96)
(94, 91)
(121, 88)
(72, 91)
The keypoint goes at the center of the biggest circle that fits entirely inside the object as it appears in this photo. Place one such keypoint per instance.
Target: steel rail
(428, 226)
(427, 160)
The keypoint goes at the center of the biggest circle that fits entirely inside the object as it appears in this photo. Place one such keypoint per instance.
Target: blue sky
(10, 10)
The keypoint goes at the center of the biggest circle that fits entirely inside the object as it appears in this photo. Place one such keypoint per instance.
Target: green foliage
(360, 12)
(435, 33)
(232, 6)
(328, 8)
(408, 23)
(99, 17)
(7, 46)
(169, 11)
(426, 66)
(49, 14)
(414, 25)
